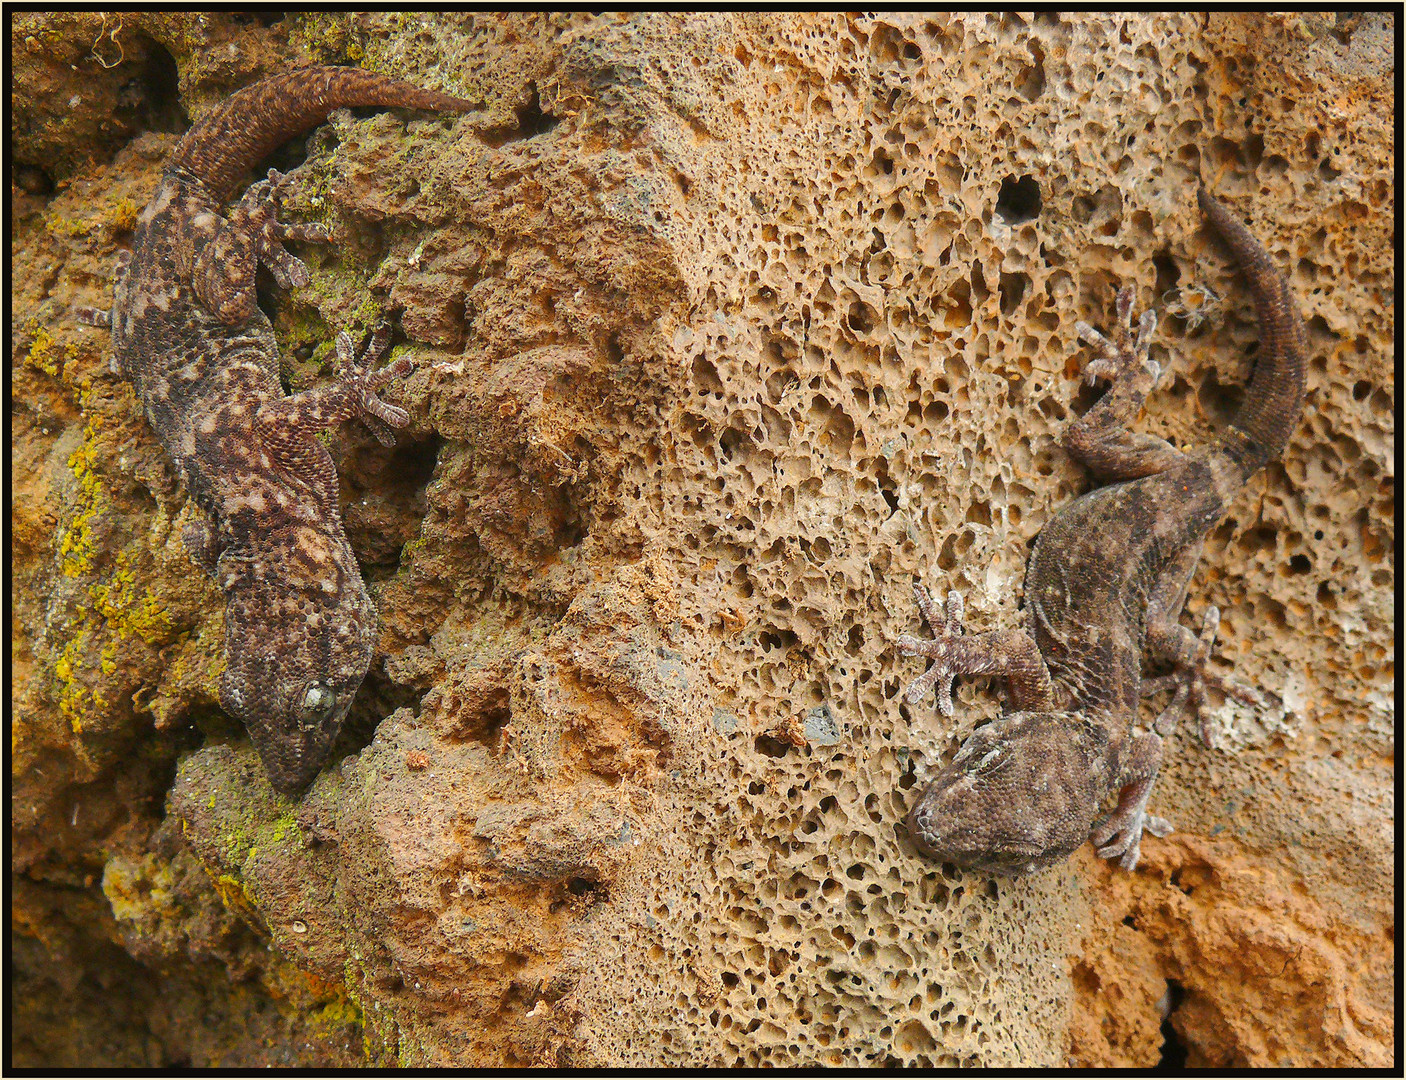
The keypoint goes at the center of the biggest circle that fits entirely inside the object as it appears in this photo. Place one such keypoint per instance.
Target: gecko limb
(1011, 653)
(288, 425)
(250, 234)
(1189, 654)
(1103, 438)
(1119, 836)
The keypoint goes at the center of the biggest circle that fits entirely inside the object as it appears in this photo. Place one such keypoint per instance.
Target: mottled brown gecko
(187, 332)
(1105, 584)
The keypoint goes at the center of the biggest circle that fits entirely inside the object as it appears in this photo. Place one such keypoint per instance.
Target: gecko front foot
(947, 630)
(362, 382)
(1119, 836)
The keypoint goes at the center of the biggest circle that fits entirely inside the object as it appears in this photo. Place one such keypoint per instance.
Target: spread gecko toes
(939, 649)
(1120, 836)
(1126, 350)
(1192, 676)
(362, 382)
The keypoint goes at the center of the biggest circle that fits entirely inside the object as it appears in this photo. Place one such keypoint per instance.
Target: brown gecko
(188, 334)
(1106, 582)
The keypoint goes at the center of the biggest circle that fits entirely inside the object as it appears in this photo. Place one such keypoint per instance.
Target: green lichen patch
(324, 36)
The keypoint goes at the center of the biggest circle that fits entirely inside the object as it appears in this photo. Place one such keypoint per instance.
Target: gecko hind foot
(250, 235)
(279, 185)
(269, 234)
(946, 629)
(1191, 681)
(1125, 352)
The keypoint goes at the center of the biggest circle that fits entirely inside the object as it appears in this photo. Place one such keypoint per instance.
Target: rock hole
(1260, 538)
(156, 101)
(1168, 273)
(1220, 403)
(1019, 200)
(771, 746)
(581, 886)
(776, 638)
(31, 179)
(529, 121)
(1012, 288)
(492, 722)
(1173, 1049)
(1030, 83)
(861, 317)
(889, 490)
(980, 513)
(734, 444)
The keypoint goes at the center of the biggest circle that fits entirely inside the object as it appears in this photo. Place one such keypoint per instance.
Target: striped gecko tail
(246, 127)
(1274, 398)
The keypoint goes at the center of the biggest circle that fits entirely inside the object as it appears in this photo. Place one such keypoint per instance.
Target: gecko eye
(317, 706)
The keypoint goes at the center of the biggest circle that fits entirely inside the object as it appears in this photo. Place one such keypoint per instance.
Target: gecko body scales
(1104, 586)
(187, 332)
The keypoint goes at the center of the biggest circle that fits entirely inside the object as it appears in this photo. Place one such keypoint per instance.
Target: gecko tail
(242, 130)
(1274, 398)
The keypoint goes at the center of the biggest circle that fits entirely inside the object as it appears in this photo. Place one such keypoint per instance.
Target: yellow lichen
(137, 889)
(129, 614)
(78, 545)
(235, 896)
(285, 826)
(42, 352)
(75, 699)
(410, 549)
(120, 215)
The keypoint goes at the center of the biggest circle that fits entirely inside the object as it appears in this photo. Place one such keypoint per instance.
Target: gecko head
(1021, 794)
(298, 641)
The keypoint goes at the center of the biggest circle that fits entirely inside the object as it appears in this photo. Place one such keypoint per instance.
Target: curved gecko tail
(1274, 397)
(243, 129)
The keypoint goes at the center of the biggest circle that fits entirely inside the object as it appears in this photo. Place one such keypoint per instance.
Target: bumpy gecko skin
(1105, 584)
(187, 332)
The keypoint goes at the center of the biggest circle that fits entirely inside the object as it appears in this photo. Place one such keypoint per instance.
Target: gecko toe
(1158, 826)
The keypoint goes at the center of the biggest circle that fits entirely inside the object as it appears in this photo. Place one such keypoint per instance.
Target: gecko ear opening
(233, 568)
